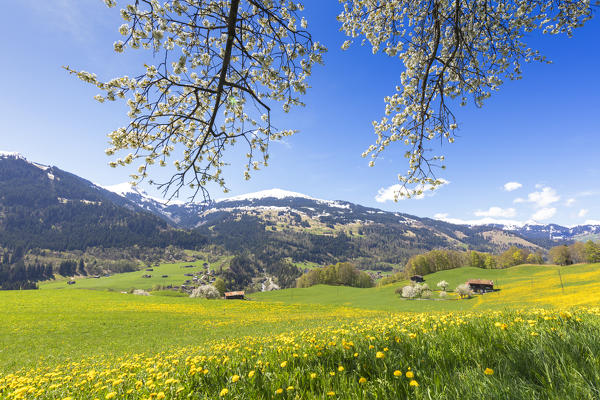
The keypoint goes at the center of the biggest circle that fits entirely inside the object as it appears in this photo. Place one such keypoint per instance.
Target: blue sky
(540, 133)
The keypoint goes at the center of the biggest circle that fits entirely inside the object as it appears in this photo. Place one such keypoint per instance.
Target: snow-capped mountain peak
(263, 194)
(124, 189)
(11, 154)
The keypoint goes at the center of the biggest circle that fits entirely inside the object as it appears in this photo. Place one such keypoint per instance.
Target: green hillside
(314, 343)
(132, 280)
(520, 286)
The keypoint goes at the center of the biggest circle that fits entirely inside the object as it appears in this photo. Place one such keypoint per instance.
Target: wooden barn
(239, 295)
(481, 285)
(417, 278)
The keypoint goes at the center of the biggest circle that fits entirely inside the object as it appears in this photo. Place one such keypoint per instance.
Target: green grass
(89, 344)
(538, 285)
(52, 326)
(132, 280)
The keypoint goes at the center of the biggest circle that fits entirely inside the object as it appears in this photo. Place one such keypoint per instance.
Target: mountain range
(46, 207)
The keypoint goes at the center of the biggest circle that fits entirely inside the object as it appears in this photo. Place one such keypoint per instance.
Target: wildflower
(235, 378)
(111, 395)
(488, 371)
(379, 354)
(251, 374)
(340, 368)
(414, 383)
(330, 393)
(332, 373)
(355, 354)
(362, 380)
(160, 395)
(410, 374)
(284, 364)
(397, 373)
(313, 375)
(279, 391)
(290, 388)
(223, 392)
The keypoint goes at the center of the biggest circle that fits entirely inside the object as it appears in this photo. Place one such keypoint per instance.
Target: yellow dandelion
(279, 391)
(251, 374)
(355, 354)
(223, 392)
(397, 373)
(414, 383)
(488, 371)
(160, 395)
(313, 375)
(380, 354)
(284, 364)
(410, 374)
(332, 373)
(362, 380)
(110, 395)
(331, 393)
(340, 368)
(290, 388)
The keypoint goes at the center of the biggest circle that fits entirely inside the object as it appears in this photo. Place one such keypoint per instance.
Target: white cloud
(66, 15)
(282, 142)
(592, 222)
(543, 198)
(582, 213)
(496, 212)
(389, 193)
(544, 213)
(510, 186)
(570, 202)
(441, 216)
(519, 200)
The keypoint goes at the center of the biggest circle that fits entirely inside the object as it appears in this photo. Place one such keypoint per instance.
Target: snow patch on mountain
(125, 188)
(11, 154)
(264, 194)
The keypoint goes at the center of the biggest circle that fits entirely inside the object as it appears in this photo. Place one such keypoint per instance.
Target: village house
(417, 279)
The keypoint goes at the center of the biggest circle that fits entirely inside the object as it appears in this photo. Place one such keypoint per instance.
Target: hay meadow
(536, 338)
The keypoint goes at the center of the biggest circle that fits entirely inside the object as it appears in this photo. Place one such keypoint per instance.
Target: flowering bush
(206, 292)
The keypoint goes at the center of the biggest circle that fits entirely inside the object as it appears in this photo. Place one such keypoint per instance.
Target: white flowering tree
(443, 285)
(449, 49)
(219, 69)
(220, 66)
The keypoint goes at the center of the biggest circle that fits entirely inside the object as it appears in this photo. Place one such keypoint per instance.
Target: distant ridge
(270, 193)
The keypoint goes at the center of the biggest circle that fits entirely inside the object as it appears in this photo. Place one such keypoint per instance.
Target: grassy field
(315, 343)
(132, 280)
(520, 286)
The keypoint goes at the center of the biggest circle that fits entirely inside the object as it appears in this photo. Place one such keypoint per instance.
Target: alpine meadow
(263, 199)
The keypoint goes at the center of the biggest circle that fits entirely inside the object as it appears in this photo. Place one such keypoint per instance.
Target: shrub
(409, 292)
(464, 290)
(205, 292)
(220, 286)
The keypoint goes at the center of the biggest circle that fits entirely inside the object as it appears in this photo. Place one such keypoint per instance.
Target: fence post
(561, 282)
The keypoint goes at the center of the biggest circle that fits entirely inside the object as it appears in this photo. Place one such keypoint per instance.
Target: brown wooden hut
(481, 285)
(239, 295)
